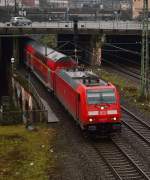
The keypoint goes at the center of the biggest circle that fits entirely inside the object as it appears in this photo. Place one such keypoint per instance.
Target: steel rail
(132, 128)
(134, 116)
(111, 166)
(108, 164)
(135, 165)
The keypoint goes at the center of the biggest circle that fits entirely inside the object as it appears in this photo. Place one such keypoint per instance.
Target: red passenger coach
(44, 61)
(93, 103)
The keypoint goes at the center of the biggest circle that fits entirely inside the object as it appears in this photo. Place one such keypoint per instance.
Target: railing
(35, 94)
(28, 117)
(120, 25)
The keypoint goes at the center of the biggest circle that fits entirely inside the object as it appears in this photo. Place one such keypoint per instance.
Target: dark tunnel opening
(6, 52)
(122, 49)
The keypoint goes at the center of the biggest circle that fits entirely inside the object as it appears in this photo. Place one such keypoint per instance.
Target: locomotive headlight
(90, 119)
(114, 118)
(102, 107)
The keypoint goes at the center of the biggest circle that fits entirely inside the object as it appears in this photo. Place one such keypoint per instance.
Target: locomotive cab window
(101, 96)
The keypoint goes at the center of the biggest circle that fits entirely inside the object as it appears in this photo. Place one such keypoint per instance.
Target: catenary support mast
(145, 53)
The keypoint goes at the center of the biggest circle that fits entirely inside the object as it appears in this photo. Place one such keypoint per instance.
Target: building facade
(30, 3)
(124, 5)
(58, 3)
(20, 3)
(137, 6)
(6, 3)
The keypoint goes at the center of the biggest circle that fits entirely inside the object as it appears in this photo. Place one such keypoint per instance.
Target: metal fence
(26, 117)
(36, 97)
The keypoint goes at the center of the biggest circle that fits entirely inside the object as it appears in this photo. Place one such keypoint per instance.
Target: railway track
(139, 131)
(124, 69)
(134, 73)
(119, 162)
(136, 125)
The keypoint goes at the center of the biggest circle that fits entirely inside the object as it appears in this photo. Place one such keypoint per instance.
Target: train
(93, 103)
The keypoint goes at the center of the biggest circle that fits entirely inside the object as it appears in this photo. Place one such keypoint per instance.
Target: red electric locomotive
(93, 103)
(44, 61)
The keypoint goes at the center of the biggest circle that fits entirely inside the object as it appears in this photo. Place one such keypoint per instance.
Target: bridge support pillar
(0, 49)
(16, 50)
(88, 47)
(96, 44)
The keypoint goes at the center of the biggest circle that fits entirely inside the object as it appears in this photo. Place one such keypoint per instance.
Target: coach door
(49, 79)
(31, 61)
(77, 106)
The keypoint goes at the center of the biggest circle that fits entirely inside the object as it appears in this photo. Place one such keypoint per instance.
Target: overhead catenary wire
(103, 59)
(111, 50)
(119, 49)
(123, 49)
(123, 58)
(86, 50)
(128, 43)
(91, 53)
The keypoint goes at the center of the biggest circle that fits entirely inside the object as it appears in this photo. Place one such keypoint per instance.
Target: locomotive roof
(51, 53)
(88, 78)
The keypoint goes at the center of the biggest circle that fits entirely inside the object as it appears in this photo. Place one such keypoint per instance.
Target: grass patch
(26, 154)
